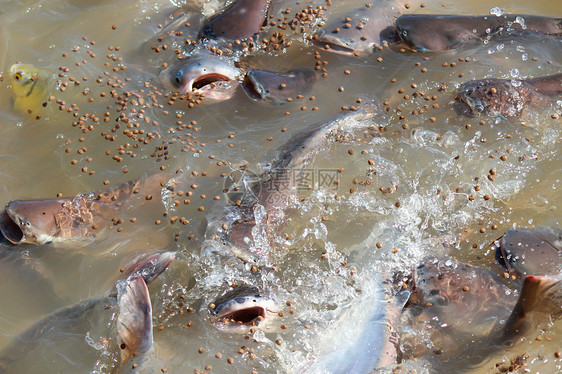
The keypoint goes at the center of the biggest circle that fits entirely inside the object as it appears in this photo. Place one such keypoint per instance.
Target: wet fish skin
(201, 73)
(277, 87)
(241, 20)
(134, 323)
(524, 252)
(269, 191)
(71, 219)
(506, 97)
(426, 32)
(368, 25)
(441, 282)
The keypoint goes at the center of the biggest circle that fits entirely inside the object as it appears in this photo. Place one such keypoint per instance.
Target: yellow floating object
(32, 87)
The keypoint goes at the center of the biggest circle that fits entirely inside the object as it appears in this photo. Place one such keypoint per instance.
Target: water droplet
(497, 11)
(520, 20)
(514, 72)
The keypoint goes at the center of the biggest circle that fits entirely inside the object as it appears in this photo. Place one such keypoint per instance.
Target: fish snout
(10, 228)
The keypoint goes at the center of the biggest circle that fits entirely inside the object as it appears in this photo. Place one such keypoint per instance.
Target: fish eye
(178, 77)
(18, 76)
(404, 33)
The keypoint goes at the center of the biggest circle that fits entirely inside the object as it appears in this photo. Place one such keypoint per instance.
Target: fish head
(242, 308)
(341, 44)
(483, 97)
(530, 252)
(30, 221)
(213, 77)
(416, 31)
(23, 78)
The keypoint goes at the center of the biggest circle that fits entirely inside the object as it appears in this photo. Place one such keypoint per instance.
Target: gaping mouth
(466, 106)
(207, 81)
(251, 88)
(245, 316)
(503, 256)
(10, 229)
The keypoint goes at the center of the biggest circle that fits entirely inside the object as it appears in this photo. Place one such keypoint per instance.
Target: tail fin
(134, 324)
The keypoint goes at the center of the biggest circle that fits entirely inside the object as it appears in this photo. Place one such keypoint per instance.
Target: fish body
(363, 337)
(213, 77)
(31, 87)
(468, 306)
(277, 87)
(276, 187)
(426, 32)
(60, 220)
(506, 97)
(241, 20)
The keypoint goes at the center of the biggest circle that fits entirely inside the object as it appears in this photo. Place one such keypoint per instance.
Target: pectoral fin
(539, 294)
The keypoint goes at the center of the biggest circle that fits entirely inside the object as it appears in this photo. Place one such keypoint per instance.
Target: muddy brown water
(425, 208)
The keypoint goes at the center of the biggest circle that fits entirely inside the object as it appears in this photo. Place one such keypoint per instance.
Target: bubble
(524, 56)
(514, 72)
(497, 11)
(520, 20)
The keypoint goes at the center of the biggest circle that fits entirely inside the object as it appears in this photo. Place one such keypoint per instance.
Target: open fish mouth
(250, 316)
(253, 88)
(206, 82)
(468, 106)
(10, 229)
(240, 309)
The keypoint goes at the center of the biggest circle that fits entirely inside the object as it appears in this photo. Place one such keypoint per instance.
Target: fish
(242, 308)
(67, 330)
(67, 220)
(364, 337)
(276, 187)
(241, 20)
(493, 315)
(213, 77)
(506, 97)
(134, 323)
(32, 88)
(360, 29)
(277, 87)
(524, 252)
(428, 32)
